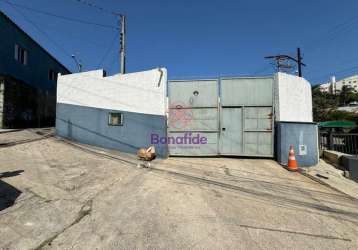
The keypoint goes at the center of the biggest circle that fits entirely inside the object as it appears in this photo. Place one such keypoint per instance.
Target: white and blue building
(242, 116)
(120, 112)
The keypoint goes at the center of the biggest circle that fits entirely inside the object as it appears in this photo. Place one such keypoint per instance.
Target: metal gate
(246, 117)
(193, 113)
(242, 126)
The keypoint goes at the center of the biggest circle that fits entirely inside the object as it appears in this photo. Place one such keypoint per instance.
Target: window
(52, 75)
(20, 54)
(115, 119)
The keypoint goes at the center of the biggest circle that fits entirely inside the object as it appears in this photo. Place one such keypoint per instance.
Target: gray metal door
(231, 131)
(246, 117)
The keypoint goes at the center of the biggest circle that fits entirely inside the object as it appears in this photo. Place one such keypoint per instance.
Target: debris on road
(322, 176)
(147, 154)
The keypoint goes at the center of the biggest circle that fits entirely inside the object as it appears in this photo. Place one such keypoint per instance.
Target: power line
(331, 34)
(351, 69)
(89, 4)
(108, 50)
(122, 18)
(263, 69)
(320, 69)
(61, 17)
(41, 31)
(112, 64)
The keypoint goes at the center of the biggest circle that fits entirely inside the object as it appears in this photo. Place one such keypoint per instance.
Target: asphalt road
(54, 195)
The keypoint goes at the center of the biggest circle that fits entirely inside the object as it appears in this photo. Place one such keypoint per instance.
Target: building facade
(28, 79)
(240, 116)
(123, 112)
(336, 86)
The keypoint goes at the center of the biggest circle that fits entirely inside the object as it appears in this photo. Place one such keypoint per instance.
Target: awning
(337, 124)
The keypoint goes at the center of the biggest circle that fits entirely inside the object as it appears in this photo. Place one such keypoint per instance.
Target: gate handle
(223, 129)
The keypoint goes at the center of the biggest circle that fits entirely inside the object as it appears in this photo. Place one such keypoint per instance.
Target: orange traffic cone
(292, 163)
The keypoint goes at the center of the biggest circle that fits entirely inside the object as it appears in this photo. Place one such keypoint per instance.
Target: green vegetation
(347, 95)
(325, 105)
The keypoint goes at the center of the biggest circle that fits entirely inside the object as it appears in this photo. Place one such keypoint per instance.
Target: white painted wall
(140, 92)
(293, 99)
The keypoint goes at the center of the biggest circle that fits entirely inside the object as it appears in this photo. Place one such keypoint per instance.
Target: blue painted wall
(35, 73)
(297, 133)
(90, 126)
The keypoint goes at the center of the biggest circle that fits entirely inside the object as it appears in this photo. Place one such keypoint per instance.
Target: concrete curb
(304, 173)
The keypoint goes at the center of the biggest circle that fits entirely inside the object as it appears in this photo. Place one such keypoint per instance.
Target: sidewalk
(333, 177)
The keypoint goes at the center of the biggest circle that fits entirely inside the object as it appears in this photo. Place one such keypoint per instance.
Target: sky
(197, 38)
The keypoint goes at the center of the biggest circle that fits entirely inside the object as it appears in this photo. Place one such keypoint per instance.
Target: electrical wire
(108, 50)
(262, 70)
(16, 6)
(64, 51)
(61, 17)
(332, 33)
(329, 36)
(351, 70)
(92, 5)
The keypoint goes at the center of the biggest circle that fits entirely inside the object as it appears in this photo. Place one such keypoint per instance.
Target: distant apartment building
(28, 79)
(336, 86)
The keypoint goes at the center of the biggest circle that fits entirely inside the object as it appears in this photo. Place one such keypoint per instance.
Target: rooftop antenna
(282, 62)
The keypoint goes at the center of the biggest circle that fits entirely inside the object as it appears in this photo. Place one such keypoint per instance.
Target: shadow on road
(8, 193)
(11, 174)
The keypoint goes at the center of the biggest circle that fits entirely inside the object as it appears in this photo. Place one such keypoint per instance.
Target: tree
(322, 104)
(338, 115)
(346, 95)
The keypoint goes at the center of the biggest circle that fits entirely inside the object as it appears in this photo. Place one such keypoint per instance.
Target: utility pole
(78, 63)
(299, 62)
(122, 44)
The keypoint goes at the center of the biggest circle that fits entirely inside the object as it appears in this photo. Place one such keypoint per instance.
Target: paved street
(74, 197)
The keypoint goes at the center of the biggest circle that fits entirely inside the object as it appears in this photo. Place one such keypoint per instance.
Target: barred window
(115, 119)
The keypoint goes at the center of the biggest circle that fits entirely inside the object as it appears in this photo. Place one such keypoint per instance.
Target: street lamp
(78, 62)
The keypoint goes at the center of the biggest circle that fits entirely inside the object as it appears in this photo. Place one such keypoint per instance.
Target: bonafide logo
(179, 116)
(188, 138)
